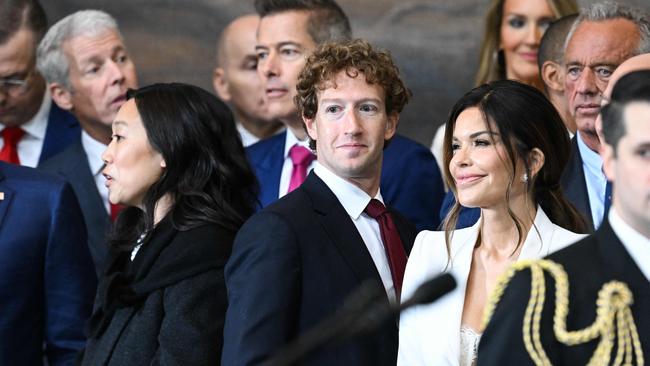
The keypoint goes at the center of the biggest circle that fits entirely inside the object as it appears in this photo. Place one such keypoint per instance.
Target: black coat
(293, 265)
(589, 263)
(167, 306)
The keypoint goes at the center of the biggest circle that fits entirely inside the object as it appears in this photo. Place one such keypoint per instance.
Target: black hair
(633, 87)
(14, 14)
(327, 22)
(207, 175)
(525, 120)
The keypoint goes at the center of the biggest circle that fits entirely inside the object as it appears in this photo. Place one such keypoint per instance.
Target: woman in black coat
(177, 163)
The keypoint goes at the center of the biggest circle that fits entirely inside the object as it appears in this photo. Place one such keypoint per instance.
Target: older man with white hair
(88, 71)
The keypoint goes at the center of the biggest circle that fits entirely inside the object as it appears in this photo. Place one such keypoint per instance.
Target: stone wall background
(434, 42)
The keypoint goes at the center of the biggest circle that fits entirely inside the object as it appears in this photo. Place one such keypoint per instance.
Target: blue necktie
(608, 198)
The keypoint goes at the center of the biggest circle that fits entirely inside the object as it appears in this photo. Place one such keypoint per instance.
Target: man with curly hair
(288, 32)
(295, 262)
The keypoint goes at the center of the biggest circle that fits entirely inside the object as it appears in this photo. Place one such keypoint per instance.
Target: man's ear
(536, 160)
(220, 84)
(61, 96)
(391, 125)
(552, 76)
(609, 161)
(312, 127)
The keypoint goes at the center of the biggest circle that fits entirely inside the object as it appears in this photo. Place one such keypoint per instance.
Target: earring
(524, 177)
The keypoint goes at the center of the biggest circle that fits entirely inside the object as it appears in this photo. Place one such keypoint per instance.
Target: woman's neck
(499, 236)
(161, 209)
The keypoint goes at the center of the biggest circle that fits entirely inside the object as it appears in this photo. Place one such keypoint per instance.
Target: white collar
(353, 199)
(293, 140)
(94, 150)
(37, 126)
(537, 244)
(637, 245)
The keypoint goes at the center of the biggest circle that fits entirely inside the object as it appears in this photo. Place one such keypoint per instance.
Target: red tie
(392, 242)
(9, 152)
(115, 210)
(301, 158)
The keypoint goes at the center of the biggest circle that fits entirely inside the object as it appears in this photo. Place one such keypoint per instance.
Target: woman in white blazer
(505, 150)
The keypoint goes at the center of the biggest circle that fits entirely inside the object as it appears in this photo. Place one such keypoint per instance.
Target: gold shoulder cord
(614, 321)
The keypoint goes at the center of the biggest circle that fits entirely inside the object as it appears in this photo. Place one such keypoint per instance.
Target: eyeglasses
(14, 86)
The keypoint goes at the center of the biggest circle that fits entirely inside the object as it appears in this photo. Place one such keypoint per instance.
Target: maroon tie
(392, 242)
(115, 210)
(10, 137)
(301, 158)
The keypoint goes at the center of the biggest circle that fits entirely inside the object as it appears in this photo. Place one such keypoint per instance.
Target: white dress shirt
(31, 144)
(287, 167)
(94, 150)
(637, 245)
(354, 200)
(430, 334)
(592, 165)
(247, 138)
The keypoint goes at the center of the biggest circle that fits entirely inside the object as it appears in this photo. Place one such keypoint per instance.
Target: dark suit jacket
(573, 183)
(410, 179)
(72, 164)
(175, 312)
(62, 131)
(293, 264)
(47, 281)
(590, 263)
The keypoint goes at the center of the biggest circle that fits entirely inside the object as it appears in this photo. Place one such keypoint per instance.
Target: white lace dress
(468, 345)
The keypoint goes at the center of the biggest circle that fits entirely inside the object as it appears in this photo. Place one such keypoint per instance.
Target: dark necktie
(115, 210)
(11, 136)
(301, 158)
(608, 199)
(392, 242)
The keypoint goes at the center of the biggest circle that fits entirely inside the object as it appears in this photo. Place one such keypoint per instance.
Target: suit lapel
(574, 184)
(62, 128)
(340, 229)
(616, 262)
(8, 195)
(269, 168)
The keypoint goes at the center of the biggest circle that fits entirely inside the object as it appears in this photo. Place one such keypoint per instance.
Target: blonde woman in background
(513, 31)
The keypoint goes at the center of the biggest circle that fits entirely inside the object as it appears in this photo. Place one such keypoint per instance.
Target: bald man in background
(236, 81)
(551, 67)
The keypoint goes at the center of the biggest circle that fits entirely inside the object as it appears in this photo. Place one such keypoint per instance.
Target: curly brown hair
(354, 57)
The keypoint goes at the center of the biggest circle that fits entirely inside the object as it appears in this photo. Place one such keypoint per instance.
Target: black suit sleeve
(263, 282)
(502, 342)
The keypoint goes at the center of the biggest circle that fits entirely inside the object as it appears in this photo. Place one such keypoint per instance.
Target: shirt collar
(589, 157)
(353, 199)
(37, 126)
(94, 150)
(637, 245)
(293, 140)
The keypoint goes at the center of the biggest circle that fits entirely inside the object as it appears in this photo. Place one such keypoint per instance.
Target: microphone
(364, 311)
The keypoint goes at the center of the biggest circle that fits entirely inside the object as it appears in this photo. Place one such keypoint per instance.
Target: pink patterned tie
(301, 158)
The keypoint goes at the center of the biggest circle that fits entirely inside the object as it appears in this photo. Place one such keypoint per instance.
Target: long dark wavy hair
(524, 119)
(207, 175)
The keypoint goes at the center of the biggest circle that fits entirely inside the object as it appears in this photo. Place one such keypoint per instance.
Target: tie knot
(12, 135)
(301, 156)
(375, 209)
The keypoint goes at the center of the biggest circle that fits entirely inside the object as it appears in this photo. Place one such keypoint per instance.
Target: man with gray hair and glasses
(88, 70)
(32, 128)
(603, 36)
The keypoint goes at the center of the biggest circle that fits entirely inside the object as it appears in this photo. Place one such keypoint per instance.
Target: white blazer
(430, 334)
